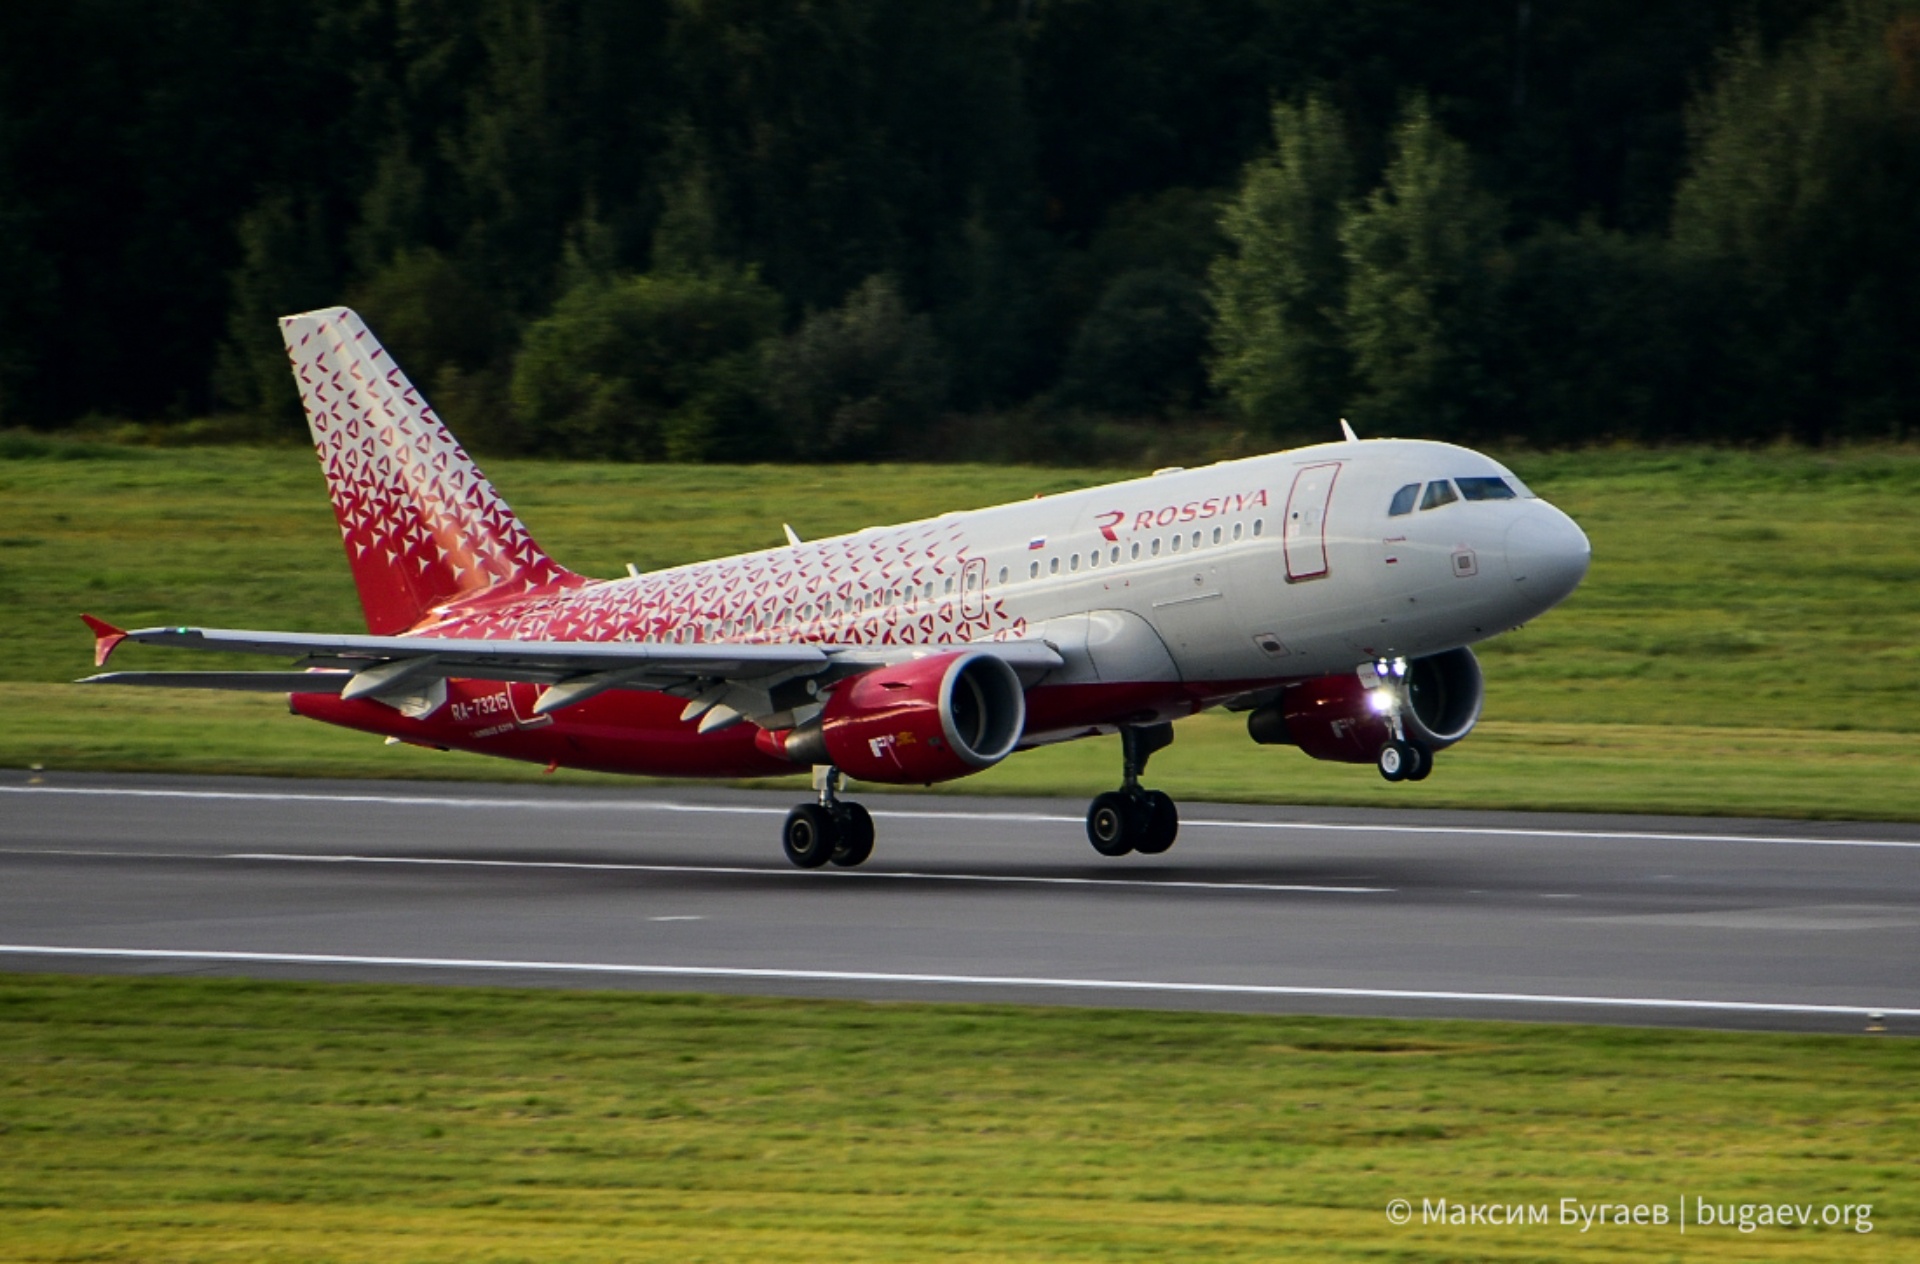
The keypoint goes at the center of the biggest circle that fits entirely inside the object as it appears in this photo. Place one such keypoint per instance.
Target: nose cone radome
(1547, 555)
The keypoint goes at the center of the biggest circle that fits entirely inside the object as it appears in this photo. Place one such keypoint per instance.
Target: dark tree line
(706, 229)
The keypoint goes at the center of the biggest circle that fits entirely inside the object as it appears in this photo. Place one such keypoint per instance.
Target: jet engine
(931, 719)
(1349, 717)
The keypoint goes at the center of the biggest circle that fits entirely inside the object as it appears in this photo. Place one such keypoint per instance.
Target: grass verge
(153, 1120)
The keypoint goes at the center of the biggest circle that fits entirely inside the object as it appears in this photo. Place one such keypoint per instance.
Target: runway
(1633, 920)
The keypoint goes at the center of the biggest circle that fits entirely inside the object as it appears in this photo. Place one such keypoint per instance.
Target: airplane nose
(1547, 555)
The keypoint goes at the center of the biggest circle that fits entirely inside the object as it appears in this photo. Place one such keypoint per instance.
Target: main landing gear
(830, 830)
(1130, 818)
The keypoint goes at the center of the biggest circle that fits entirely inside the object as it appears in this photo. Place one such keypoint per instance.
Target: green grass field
(158, 1120)
(1746, 641)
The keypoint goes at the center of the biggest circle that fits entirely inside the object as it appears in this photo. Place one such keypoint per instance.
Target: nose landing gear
(1132, 818)
(831, 830)
(1402, 760)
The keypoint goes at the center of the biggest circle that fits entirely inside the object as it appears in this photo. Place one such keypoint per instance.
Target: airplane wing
(723, 682)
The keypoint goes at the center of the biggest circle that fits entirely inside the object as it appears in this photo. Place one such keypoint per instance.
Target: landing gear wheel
(1162, 823)
(1398, 760)
(809, 837)
(1423, 763)
(1115, 823)
(854, 827)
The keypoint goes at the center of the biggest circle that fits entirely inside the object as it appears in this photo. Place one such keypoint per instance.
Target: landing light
(1381, 700)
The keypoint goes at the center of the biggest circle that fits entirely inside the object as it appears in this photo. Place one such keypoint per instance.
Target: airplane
(1329, 592)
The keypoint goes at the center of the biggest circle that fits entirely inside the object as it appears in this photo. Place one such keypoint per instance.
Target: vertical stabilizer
(422, 524)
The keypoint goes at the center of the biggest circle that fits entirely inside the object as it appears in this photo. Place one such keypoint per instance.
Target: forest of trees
(849, 229)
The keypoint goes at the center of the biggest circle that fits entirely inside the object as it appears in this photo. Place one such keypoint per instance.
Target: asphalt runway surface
(1632, 920)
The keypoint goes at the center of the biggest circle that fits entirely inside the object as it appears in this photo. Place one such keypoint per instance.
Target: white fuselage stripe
(1029, 818)
(946, 980)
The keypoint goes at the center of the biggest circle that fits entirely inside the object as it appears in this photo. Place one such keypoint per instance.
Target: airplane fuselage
(1165, 595)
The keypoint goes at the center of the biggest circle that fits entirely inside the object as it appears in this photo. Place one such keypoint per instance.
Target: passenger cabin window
(1439, 492)
(1484, 489)
(1033, 570)
(1403, 500)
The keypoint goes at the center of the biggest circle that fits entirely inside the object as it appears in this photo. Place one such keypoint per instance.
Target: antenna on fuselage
(792, 538)
(1347, 430)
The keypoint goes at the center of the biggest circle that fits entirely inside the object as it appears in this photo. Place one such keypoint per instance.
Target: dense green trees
(703, 228)
(1280, 338)
(1804, 195)
(647, 367)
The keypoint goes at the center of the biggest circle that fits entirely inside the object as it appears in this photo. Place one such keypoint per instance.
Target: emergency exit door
(1305, 534)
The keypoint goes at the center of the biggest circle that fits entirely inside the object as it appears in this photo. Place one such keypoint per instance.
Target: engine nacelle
(1343, 718)
(931, 719)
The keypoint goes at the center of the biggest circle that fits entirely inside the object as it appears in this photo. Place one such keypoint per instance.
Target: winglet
(1347, 430)
(105, 637)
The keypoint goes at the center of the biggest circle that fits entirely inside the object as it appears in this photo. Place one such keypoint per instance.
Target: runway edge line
(946, 980)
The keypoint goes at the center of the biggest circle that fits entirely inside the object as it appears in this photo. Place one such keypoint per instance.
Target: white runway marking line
(951, 980)
(902, 874)
(1025, 818)
(781, 872)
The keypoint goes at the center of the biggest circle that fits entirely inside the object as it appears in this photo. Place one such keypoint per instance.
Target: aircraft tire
(854, 844)
(1422, 763)
(1397, 760)
(1162, 823)
(809, 836)
(1115, 823)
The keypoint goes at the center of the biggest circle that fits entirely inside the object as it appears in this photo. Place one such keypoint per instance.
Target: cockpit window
(1403, 500)
(1484, 489)
(1439, 492)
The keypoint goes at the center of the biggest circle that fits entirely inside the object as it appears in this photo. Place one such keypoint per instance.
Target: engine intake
(930, 719)
(1443, 697)
(1340, 718)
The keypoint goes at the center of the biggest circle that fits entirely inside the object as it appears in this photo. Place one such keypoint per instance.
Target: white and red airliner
(1330, 592)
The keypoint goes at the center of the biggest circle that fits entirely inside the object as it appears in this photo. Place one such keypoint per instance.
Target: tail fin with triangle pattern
(422, 525)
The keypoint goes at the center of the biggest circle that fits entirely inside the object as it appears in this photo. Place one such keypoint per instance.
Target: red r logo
(1108, 521)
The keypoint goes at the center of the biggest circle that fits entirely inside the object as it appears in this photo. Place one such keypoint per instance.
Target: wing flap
(496, 660)
(233, 681)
